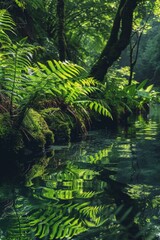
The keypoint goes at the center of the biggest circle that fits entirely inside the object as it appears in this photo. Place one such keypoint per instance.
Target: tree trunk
(61, 31)
(118, 40)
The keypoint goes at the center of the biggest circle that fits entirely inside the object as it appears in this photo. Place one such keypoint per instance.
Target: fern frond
(36, 4)
(89, 82)
(67, 66)
(87, 194)
(6, 22)
(98, 107)
(100, 155)
(4, 40)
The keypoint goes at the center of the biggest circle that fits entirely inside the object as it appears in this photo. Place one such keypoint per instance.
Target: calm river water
(104, 187)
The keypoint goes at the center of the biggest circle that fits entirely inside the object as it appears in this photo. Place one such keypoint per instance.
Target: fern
(62, 83)
(99, 156)
(62, 206)
(33, 3)
(59, 85)
(87, 194)
(6, 22)
(98, 107)
(15, 59)
(52, 222)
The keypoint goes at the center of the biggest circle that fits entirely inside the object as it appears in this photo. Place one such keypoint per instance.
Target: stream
(106, 186)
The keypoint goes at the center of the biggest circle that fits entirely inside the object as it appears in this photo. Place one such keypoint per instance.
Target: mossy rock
(37, 133)
(60, 124)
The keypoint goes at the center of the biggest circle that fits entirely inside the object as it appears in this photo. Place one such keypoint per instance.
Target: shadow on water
(105, 187)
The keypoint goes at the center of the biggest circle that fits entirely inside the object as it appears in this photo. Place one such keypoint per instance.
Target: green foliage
(68, 94)
(87, 34)
(15, 59)
(6, 23)
(53, 223)
(45, 87)
(23, 4)
(99, 156)
(86, 26)
(140, 94)
(59, 91)
(149, 59)
(127, 98)
(20, 3)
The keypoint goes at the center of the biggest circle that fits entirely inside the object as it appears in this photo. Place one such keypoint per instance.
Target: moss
(5, 126)
(33, 135)
(37, 131)
(60, 123)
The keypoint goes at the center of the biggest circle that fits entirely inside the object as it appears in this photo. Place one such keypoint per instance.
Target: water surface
(104, 187)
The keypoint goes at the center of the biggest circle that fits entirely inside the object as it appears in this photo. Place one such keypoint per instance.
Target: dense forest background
(78, 31)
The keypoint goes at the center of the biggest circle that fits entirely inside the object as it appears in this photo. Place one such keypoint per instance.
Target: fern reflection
(61, 204)
(85, 196)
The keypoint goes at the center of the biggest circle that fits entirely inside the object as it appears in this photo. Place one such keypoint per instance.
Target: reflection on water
(106, 187)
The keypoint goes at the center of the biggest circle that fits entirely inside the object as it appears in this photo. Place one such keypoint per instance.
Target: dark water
(104, 187)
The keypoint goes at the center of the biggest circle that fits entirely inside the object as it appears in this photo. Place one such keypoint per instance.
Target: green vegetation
(42, 97)
(60, 92)
(66, 67)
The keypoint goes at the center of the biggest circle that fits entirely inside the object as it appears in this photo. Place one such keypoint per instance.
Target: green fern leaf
(6, 22)
(56, 226)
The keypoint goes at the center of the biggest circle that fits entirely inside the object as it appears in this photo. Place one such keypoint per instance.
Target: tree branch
(119, 39)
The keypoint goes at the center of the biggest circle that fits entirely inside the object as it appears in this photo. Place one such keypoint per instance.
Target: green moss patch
(36, 129)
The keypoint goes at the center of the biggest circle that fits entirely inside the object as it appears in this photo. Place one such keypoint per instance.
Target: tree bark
(118, 40)
(61, 31)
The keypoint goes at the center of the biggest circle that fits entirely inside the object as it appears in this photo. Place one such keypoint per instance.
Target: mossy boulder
(37, 133)
(60, 123)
